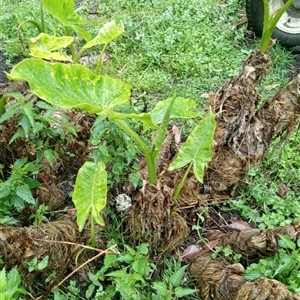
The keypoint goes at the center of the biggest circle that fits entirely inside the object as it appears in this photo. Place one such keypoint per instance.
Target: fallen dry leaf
(271, 86)
(176, 132)
(194, 251)
(239, 225)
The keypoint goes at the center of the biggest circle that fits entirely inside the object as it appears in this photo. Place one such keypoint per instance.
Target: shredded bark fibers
(219, 280)
(19, 245)
(246, 126)
(155, 218)
(254, 243)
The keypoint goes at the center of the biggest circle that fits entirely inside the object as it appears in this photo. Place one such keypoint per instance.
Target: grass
(191, 48)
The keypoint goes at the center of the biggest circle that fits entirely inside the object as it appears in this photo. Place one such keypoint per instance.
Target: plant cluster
(283, 266)
(10, 285)
(15, 192)
(129, 275)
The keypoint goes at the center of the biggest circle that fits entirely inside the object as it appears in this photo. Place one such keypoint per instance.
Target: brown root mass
(19, 245)
(254, 243)
(220, 280)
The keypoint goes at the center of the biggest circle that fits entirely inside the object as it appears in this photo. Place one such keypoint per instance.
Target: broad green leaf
(71, 86)
(4, 190)
(253, 274)
(118, 274)
(181, 292)
(43, 46)
(109, 32)
(83, 33)
(285, 264)
(161, 288)
(63, 11)
(182, 108)
(43, 263)
(143, 248)
(286, 242)
(90, 192)
(177, 277)
(24, 193)
(197, 148)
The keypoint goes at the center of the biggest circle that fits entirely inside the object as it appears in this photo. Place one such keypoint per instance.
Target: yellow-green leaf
(109, 32)
(71, 86)
(90, 192)
(63, 11)
(43, 46)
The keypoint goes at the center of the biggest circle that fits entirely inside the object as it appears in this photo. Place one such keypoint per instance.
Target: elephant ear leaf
(109, 32)
(197, 148)
(63, 11)
(71, 86)
(90, 192)
(44, 46)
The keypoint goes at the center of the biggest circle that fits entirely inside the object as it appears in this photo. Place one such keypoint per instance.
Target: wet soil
(3, 68)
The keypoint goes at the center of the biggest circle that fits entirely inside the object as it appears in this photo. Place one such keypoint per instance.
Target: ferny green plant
(15, 192)
(283, 266)
(10, 285)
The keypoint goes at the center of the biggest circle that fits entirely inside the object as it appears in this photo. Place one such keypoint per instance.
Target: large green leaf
(109, 32)
(182, 108)
(90, 192)
(197, 148)
(71, 86)
(43, 46)
(63, 11)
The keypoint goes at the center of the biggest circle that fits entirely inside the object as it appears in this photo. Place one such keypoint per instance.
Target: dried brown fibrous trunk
(220, 280)
(245, 126)
(19, 245)
(254, 243)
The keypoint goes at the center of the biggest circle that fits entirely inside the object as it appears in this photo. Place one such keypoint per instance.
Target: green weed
(283, 266)
(15, 192)
(10, 285)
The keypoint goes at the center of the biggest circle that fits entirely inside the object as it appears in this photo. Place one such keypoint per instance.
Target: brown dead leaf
(176, 132)
(194, 251)
(239, 225)
(271, 86)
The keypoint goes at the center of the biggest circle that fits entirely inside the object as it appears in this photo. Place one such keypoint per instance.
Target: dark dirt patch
(3, 68)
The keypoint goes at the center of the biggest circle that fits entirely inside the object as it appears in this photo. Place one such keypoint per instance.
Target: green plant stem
(270, 23)
(150, 160)
(100, 61)
(180, 185)
(42, 15)
(34, 22)
(3, 103)
(68, 32)
(93, 238)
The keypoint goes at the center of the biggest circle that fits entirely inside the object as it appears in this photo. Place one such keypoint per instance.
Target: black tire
(287, 35)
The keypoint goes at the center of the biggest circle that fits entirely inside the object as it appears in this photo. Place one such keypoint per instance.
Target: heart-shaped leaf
(109, 32)
(63, 11)
(181, 108)
(197, 148)
(71, 86)
(43, 46)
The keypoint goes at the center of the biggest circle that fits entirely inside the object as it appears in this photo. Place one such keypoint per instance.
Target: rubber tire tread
(255, 15)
